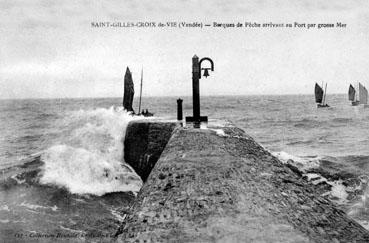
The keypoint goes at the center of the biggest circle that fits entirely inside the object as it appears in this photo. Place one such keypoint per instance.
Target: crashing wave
(342, 179)
(88, 159)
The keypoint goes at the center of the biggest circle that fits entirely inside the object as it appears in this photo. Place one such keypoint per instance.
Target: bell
(206, 73)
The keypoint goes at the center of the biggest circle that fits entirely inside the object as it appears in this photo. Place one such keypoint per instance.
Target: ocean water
(84, 187)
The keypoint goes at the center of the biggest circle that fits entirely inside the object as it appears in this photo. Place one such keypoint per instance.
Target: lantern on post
(196, 76)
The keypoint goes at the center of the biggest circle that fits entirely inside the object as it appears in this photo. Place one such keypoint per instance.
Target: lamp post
(196, 76)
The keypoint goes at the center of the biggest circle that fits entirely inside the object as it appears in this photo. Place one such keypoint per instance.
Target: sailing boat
(352, 95)
(129, 93)
(320, 96)
(358, 98)
(363, 95)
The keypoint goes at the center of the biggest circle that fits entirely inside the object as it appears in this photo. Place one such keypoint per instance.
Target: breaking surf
(78, 186)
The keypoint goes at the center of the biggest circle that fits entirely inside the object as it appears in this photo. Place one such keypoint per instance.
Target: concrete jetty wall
(144, 142)
(219, 185)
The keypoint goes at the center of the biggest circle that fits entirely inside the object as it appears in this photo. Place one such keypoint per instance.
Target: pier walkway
(219, 185)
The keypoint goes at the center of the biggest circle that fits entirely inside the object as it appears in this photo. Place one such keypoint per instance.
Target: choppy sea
(83, 191)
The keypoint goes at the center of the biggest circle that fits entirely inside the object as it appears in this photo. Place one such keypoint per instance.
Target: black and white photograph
(184, 121)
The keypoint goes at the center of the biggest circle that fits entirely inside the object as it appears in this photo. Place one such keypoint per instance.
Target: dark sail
(128, 91)
(363, 94)
(351, 93)
(318, 93)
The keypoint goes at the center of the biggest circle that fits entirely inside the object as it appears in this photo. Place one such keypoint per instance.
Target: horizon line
(160, 96)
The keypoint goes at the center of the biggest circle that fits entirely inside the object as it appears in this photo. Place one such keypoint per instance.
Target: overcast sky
(49, 49)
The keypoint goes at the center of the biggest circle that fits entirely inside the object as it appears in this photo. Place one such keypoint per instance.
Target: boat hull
(355, 103)
(322, 106)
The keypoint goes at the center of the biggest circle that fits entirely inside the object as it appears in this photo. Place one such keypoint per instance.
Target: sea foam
(303, 163)
(89, 158)
(338, 190)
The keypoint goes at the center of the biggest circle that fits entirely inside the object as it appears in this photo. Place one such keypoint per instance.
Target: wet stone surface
(211, 188)
(144, 142)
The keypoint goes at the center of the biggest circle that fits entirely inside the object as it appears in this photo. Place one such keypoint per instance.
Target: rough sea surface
(83, 189)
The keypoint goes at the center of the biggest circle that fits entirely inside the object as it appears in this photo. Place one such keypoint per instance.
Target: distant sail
(318, 93)
(128, 91)
(351, 93)
(363, 94)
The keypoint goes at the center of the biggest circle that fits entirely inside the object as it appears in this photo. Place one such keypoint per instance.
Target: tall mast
(139, 106)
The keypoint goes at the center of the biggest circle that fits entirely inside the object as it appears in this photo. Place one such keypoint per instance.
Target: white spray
(88, 159)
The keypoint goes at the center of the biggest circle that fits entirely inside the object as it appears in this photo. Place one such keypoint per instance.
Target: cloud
(51, 45)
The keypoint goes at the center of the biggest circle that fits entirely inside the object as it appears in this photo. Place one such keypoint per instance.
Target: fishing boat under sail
(320, 96)
(360, 97)
(363, 95)
(129, 94)
(352, 95)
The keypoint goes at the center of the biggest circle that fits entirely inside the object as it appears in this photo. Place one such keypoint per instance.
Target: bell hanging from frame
(206, 73)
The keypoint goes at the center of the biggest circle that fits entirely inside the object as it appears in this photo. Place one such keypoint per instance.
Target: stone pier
(219, 185)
